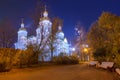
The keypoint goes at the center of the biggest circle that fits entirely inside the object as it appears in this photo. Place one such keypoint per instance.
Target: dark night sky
(71, 11)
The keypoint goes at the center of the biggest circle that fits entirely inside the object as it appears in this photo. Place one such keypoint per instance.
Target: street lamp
(85, 50)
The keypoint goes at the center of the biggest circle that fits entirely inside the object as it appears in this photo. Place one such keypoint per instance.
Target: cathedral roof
(44, 18)
(22, 29)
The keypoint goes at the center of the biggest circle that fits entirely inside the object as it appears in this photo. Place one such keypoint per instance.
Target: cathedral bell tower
(44, 27)
(22, 37)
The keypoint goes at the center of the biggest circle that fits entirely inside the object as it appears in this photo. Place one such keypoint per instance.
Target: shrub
(5, 64)
(100, 54)
(19, 58)
(65, 60)
(25, 58)
(74, 59)
(22, 59)
(6, 59)
(117, 61)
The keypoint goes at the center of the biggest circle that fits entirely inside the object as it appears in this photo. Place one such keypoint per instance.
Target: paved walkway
(68, 72)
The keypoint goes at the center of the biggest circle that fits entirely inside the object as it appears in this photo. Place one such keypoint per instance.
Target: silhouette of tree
(7, 33)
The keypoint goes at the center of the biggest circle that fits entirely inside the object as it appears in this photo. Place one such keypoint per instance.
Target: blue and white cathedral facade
(60, 43)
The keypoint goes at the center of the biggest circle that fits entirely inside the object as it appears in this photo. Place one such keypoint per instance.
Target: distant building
(45, 25)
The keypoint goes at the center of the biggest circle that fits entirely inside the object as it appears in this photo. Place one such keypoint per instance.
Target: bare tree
(37, 13)
(7, 33)
(80, 40)
(40, 8)
(55, 23)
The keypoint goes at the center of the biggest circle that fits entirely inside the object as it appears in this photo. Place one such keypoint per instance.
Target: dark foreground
(68, 72)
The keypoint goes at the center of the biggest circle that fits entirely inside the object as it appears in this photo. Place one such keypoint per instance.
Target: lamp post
(85, 50)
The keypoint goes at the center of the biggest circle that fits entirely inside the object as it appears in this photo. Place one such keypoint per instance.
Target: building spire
(45, 8)
(22, 19)
(45, 14)
(22, 23)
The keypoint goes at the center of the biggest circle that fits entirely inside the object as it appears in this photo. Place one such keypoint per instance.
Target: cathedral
(43, 32)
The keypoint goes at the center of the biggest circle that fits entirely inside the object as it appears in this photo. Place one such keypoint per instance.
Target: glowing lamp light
(73, 49)
(85, 50)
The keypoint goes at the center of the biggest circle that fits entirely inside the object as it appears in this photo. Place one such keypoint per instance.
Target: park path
(65, 72)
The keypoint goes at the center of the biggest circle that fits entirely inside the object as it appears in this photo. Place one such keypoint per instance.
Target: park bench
(106, 65)
(93, 63)
(117, 71)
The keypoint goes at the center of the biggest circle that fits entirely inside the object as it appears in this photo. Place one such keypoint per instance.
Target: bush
(25, 58)
(22, 59)
(74, 59)
(5, 65)
(65, 60)
(6, 59)
(100, 54)
(117, 61)
(19, 58)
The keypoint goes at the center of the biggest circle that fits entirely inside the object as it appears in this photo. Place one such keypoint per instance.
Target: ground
(63, 72)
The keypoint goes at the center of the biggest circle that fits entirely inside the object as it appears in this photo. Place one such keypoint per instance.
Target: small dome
(22, 26)
(60, 35)
(45, 14)
(60, 28)
(65, 40)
